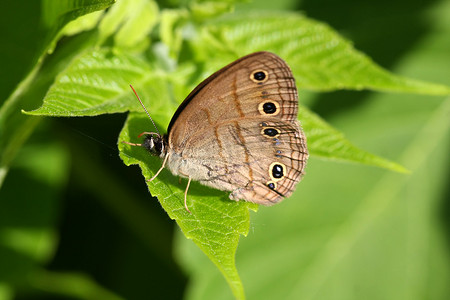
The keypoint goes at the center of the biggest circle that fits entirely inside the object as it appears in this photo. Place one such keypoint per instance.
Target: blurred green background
(357, 233)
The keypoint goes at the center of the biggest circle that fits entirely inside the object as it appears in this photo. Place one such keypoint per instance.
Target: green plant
(83, 68)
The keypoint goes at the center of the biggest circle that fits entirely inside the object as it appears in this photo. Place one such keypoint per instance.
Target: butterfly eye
(277, 171)
(259, 76)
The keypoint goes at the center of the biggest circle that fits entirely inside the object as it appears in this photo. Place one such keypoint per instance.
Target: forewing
(237, 92)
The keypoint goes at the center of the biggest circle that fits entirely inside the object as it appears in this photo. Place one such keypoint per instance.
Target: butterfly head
(155, 144)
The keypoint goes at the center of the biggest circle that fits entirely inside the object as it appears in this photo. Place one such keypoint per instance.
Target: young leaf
(129, 23)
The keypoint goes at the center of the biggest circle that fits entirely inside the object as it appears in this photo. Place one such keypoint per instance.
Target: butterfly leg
(185, 195)
(160, 169)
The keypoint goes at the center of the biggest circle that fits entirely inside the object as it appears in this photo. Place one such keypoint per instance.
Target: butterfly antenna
(145, 109)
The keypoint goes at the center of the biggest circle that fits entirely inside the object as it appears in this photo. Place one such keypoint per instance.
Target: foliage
(83, 68)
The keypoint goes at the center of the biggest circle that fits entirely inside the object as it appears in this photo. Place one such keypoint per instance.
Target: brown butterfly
(238, 131)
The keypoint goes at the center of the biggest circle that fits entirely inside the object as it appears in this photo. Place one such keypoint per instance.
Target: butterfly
(237, 131)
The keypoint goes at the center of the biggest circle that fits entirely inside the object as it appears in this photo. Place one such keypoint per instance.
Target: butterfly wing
(238, 131)
(257, 159)
(233, 93)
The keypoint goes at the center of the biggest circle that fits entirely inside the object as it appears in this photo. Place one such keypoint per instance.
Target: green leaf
(96, 82)
(83, 23)
(214, 224)
(345, 226)
(76, 93)
(56, 14)
(14, 126)
(319, 57)
(71, 285)
(204, 10)
(129, 22)
(328, 143)
(27, 238)
(171, 30)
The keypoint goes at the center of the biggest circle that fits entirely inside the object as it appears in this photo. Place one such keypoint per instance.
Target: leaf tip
(25, 112)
